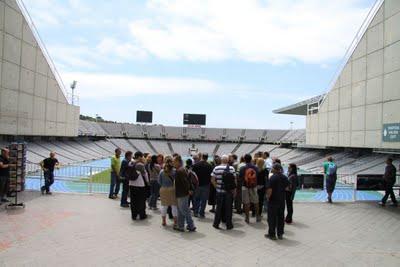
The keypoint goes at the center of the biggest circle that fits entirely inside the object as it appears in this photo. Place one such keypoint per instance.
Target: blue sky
(235, 61)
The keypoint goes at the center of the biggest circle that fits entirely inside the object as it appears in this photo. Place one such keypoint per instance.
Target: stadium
(356, 121)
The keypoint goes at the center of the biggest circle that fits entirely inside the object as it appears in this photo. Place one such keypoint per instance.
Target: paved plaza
(92, 230)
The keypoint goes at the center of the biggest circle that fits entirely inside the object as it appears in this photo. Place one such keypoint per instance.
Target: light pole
(291, 125)
(73, 86)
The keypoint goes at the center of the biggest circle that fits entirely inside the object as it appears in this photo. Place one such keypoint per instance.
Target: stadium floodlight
(73, 86)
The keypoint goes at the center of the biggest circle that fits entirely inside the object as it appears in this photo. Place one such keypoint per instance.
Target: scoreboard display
(144, 116)
(194, 119)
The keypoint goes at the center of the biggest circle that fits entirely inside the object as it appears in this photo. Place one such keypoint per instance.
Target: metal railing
(70, 179)
(41, 44)
(86, 180)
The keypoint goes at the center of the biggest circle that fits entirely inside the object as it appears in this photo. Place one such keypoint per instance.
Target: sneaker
(111, 197)
(216, 226)
(272, 237)
(49, 193)
(247, 220)
(4, 200)
(42, 190)
(176, 228)
(143, 217)
(382, 204)
(280, 237)
(191, 229)
(212, 210)
(196, 215)
(125, 205)
(202, 216)
(230, 227)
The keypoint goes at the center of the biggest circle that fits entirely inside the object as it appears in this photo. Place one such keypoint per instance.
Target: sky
(233, 60)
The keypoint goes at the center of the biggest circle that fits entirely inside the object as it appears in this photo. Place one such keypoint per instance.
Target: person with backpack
(203, 170)
(239, 183)
(138, 180)
(248, 174)
(182, 192)
(330, 170)
(193, 181)
(276, 195)
(125, 182)
(291, 191)
(224, 181)
(166, 180)
(262, 179)
(154, 171)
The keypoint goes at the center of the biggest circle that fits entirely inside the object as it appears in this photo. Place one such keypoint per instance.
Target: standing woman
(166, 180)
(291, 191)
(262, 178)
(160, 160)
(154, 172)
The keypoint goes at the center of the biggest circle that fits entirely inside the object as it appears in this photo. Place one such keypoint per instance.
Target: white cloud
(106, 85)
(263, 31)
(123, 50)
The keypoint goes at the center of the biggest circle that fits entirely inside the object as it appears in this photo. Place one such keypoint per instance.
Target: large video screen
(312, 181)
(370, 182)
(144, 116)
(194, 119)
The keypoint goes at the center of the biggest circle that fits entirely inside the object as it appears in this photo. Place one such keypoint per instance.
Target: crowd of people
(249, 185)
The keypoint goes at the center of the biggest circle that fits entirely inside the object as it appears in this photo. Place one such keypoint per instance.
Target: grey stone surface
(82, 230)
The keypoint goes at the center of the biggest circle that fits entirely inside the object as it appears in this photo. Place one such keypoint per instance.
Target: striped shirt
(217, 174)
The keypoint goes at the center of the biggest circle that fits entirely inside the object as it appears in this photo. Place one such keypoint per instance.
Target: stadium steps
(255, 149)
(90, 149)
(151, 146)
(78, 153)
(106, 152)
(216, 149)
(50, 150)
(170, 148)
(236, 148)
(131, 143)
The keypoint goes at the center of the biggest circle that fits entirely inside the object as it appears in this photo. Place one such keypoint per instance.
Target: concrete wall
(31, 101)
(367, 93)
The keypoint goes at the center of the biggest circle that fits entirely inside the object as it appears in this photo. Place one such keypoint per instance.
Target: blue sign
(391, 132)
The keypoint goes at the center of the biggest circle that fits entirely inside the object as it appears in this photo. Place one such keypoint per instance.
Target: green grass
(101, 177)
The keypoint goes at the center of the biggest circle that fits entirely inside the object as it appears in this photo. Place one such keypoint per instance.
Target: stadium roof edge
(299, 108)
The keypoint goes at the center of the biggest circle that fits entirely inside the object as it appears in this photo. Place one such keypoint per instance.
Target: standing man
(330, 169)
(137, 187)
(48, 166)
(389, 179)
(203, 171)
(4, 174)
(224, 198)
(276, 202)
(115, 170)
(125, 181)
(248, 174)
(239, 183)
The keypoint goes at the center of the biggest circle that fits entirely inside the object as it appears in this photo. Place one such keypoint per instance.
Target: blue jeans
(48, 181)
(200, 199)
(114, 185)
(184, 213)
(155, 193)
